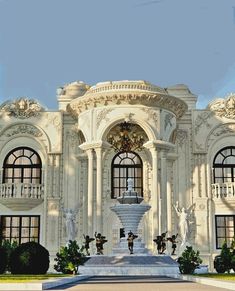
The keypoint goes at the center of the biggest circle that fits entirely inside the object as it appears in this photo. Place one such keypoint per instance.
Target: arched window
(224, 165)
(22, 165)
(126, 165)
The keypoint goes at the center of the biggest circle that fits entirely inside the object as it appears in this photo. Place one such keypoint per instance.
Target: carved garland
(87, 102)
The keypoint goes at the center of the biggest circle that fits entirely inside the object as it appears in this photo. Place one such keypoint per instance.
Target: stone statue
(130, 184)
(173, 241)
(183, 222)
(130, 240)
(87, 243)
(160, 241)
(70, 223)
(100, 240)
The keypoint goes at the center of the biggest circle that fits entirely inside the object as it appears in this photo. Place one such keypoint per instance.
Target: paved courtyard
(140, 283)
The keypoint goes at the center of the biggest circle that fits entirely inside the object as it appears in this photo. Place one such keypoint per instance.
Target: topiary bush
(29, 258)
(189, 261)
(69, 258)
(3, 260)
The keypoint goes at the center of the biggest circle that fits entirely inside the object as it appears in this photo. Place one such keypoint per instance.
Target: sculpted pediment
(22, 108)
(224, 107)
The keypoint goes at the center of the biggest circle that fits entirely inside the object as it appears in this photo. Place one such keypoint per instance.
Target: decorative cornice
(224, 107)
(126, 92)
(22, 108)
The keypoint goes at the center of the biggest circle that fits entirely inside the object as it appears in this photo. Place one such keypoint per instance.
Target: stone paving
(140, 283)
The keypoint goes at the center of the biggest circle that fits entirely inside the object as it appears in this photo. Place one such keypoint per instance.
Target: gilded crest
(224, 107)
(22, 108)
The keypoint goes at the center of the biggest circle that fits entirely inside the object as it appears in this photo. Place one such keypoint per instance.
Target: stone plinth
(129, 265)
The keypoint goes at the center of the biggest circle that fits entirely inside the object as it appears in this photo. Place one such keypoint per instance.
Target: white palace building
(77, 160)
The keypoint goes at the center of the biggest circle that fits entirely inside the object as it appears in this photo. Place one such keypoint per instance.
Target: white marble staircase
(129, 265)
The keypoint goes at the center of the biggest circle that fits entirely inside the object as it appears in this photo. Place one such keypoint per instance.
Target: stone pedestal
(130, 211)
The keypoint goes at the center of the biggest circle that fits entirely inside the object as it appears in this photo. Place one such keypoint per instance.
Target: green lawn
(8, 278)
(225, 276)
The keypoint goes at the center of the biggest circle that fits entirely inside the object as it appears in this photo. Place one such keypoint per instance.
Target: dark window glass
(19, 228)
(22, 165)
(126, 165)
(224, 166)
(224, 229)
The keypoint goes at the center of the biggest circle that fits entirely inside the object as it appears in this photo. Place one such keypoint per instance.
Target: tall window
(225, 229)
(126, 165)
(22, 165)
(224, 165)
(19, 228)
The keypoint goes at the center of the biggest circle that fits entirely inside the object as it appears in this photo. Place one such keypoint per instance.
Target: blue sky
(47, 43)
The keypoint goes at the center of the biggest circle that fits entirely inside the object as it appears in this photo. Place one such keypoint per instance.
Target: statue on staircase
(87, 242)
(173, 241)
(160, 241)
(100, 241)
(130, 239)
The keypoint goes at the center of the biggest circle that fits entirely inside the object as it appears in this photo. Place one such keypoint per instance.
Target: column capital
(95, 145)
(159, 145)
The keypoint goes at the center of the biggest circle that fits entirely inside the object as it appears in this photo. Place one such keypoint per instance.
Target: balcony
(21, 196)
(223, 190)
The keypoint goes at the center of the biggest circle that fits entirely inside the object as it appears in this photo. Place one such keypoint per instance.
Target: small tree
(3, 260)
(226, 260)
(69, 258)
(9, 247)
(189, 261)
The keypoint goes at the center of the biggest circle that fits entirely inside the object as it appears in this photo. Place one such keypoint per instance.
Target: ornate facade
(77, 160)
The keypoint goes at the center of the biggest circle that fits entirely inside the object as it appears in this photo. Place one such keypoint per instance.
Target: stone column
(203, 175)
(168, 197)
(155, 191)
(163, 192)
(99, 188)
(90, 192)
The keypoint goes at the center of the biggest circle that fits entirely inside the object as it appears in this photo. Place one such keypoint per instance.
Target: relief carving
(102, 115)
(55, 120)
(168, 120)
(224, 107)
(224, 129)
(89, 101)
(181, 136)
(22, 108)
(151, 115)
(22, 129)
(201, 120)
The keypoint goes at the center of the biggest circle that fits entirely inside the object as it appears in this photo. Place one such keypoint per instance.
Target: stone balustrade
(21, 190)
(223, 190)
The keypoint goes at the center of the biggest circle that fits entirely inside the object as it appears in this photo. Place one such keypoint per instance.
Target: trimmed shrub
(3, 260)
(69, 258)
(189, 261)
(29, 258)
